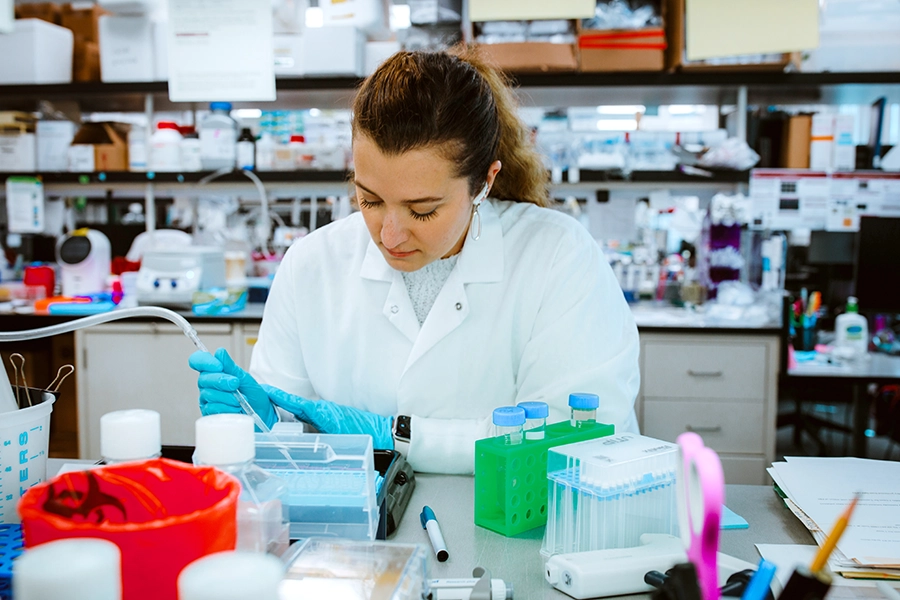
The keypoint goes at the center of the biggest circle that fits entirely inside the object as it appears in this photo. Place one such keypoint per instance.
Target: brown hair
(455, 102)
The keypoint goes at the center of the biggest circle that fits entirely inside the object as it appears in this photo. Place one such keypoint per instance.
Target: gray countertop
(517, 560)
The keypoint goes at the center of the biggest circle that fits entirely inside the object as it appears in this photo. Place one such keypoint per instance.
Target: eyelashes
(365, 204)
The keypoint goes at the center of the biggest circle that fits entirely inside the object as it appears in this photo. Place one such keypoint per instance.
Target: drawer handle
(694, 373)
(715, 429)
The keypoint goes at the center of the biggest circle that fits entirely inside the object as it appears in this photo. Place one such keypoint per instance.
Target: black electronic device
(878, 265)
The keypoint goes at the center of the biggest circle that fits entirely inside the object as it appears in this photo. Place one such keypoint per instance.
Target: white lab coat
(532, 311)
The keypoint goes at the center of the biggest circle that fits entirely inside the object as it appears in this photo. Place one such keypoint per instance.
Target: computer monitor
(878, 265)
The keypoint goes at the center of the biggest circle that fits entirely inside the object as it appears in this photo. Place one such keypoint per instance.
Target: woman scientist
(453, 290)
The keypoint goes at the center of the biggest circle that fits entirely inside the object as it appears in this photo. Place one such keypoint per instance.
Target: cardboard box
(524, 57)
(53, 141)
(675, 51)
(86, 61)
(42, 53)
(622, 50)
(126, 49)
(84, 22)
(345, 46)
(45, 11)
(17, 151)
(795, 144)
(843, 149)
(99, 147)
(821, 142)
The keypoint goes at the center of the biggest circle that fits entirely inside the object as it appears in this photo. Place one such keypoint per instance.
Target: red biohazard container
(162, 514)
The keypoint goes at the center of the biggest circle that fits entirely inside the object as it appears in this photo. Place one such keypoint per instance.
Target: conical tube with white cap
(227, 442)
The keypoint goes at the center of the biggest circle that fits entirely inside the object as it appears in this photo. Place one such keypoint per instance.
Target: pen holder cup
(805, 338)
(511, 480)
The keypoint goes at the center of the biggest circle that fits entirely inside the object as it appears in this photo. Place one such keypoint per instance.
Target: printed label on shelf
(25, 204)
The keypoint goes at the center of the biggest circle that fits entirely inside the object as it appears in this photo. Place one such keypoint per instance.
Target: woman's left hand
(329, 417)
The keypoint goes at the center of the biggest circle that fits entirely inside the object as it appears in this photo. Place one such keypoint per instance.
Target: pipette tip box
(511, 480)
(331, 483)
(10, 548)
(606, 493)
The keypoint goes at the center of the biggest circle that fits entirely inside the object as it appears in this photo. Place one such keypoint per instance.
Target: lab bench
(718, 380)
(517, 559)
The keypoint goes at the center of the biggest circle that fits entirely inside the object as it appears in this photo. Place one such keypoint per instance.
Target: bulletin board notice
(221, 50)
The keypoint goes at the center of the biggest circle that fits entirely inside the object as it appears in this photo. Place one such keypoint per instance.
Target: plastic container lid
(220, 106)
(509, 416)
(231, 576)
(584, 401)
(535, 410)
(75, 569)
(298, 138)
(130, 434)
(168, 125)
(225, 439)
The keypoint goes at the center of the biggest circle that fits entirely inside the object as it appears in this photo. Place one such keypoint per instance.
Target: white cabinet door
(141, 365)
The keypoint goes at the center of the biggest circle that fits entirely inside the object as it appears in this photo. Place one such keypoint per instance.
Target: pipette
(140, 311)
(191, 333)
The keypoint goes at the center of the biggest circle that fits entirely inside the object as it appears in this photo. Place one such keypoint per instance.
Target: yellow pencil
(836, 532)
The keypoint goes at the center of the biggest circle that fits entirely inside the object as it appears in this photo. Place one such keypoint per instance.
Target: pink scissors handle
(702, 493)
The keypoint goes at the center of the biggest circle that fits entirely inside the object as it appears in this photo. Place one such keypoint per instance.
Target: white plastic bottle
(852, 331)
(218, 138)
(165, 148)
(137, 149)
(75, 568)
(231, 576)
(130, 435)
(190, 152)
(227, 442)
(265, 153)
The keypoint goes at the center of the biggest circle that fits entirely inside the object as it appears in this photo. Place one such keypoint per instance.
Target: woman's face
(415, 207)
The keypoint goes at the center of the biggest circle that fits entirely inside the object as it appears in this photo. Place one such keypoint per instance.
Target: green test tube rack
(511, 480)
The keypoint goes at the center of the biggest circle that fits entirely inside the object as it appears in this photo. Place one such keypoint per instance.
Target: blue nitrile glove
(219, 378)
(329, 417)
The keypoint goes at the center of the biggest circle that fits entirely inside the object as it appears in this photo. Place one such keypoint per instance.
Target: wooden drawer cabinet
(722, 386)
(713, 370)
(722, 425)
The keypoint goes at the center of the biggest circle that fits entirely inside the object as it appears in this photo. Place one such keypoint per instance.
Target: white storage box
(161, 50)
(857, 36)
(288, 51)
(53, 141)
(36, 52)
(336, 50)
(17, 152)
(126, 49)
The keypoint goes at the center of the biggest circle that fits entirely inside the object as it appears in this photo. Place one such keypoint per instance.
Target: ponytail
(455, 102)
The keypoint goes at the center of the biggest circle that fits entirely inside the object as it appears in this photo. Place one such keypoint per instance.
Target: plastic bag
(733, 153)
(162, 514)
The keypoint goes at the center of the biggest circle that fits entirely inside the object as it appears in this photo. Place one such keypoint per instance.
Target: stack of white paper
(819, 489)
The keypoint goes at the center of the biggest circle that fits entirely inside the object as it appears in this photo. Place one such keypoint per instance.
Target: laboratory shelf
(112, 178)
(536, 89)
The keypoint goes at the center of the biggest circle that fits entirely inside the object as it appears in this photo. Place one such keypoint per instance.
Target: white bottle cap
(74, 569)
(231, 576)
(130, 435)
(225, 439)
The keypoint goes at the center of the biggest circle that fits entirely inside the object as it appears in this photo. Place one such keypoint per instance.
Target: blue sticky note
(732, 520)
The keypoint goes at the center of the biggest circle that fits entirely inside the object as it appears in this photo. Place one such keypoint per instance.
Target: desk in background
(879, 369)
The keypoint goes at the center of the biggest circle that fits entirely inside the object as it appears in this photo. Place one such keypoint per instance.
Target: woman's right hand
(219, 378)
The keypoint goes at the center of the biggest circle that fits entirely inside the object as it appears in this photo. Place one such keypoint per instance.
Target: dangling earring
(475, 230)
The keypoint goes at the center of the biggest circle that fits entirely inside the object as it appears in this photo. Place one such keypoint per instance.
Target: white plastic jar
(218, 138)
(165, 148)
